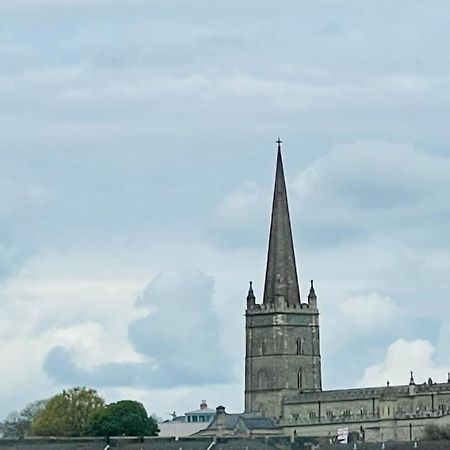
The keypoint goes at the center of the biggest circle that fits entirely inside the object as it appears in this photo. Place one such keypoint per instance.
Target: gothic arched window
(300, 379)
(300, 349)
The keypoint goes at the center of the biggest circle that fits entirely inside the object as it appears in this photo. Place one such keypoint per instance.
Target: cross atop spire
(279, 142)
(281, 272)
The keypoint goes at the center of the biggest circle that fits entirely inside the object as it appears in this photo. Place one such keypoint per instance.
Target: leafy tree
(19, 424)
(68, 413)
(126, 417)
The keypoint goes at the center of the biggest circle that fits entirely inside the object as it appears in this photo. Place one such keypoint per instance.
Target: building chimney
(220, 420)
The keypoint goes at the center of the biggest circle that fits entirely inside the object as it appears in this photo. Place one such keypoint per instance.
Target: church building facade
(283, 378)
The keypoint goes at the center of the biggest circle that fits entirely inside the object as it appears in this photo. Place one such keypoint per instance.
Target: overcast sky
(137, 164)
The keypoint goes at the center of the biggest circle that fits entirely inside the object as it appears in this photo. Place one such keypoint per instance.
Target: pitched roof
(257, 423)
(252, 421)
(202, 411)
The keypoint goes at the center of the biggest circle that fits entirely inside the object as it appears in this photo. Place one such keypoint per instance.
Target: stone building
(283, 367)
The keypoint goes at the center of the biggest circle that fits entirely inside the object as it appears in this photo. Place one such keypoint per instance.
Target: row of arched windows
(331, 416)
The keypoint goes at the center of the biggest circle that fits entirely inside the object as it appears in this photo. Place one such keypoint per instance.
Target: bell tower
(282, 333)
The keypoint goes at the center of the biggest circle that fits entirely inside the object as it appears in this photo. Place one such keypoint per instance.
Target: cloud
(366, 187)
(356, 191)
(179, 339)
(368, 313)
(241, 213)
(20, 204)
(402, 357)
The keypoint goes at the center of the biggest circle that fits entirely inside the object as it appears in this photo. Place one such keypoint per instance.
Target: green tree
(19, 424)
(68, 413)
(124, 418)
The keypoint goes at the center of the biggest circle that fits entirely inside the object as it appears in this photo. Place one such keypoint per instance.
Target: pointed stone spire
(281, 284)
(411, 378)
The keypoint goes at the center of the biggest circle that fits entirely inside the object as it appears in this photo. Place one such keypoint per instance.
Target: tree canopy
(68, 413)
(125, 417)
(80, 412)
(18, 424)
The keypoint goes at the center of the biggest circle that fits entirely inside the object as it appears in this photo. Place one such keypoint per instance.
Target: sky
(137, 159)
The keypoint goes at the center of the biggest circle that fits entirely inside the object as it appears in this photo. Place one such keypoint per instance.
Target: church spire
(281, 273)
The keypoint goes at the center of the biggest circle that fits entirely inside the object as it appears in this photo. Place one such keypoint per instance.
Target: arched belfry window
(262, 379)
(263, 347)
(300, 379)
(300, 349)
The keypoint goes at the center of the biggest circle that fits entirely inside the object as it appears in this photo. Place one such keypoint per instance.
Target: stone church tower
(282, 333)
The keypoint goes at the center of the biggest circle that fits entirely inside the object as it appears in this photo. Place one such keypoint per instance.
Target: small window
(300, 379)
(263, 347)
(329, 415)
(300, 349)
(312, 415)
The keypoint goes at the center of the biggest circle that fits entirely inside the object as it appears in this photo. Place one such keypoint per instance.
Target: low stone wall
(260, 443)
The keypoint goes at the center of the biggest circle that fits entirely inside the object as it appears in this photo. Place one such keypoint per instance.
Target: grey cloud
(20, 204)
(368, 187)
(339, 342)
(179, 339)
(169, 45)
(59, 365)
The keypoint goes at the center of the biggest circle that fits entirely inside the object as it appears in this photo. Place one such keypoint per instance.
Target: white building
(192, 422)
